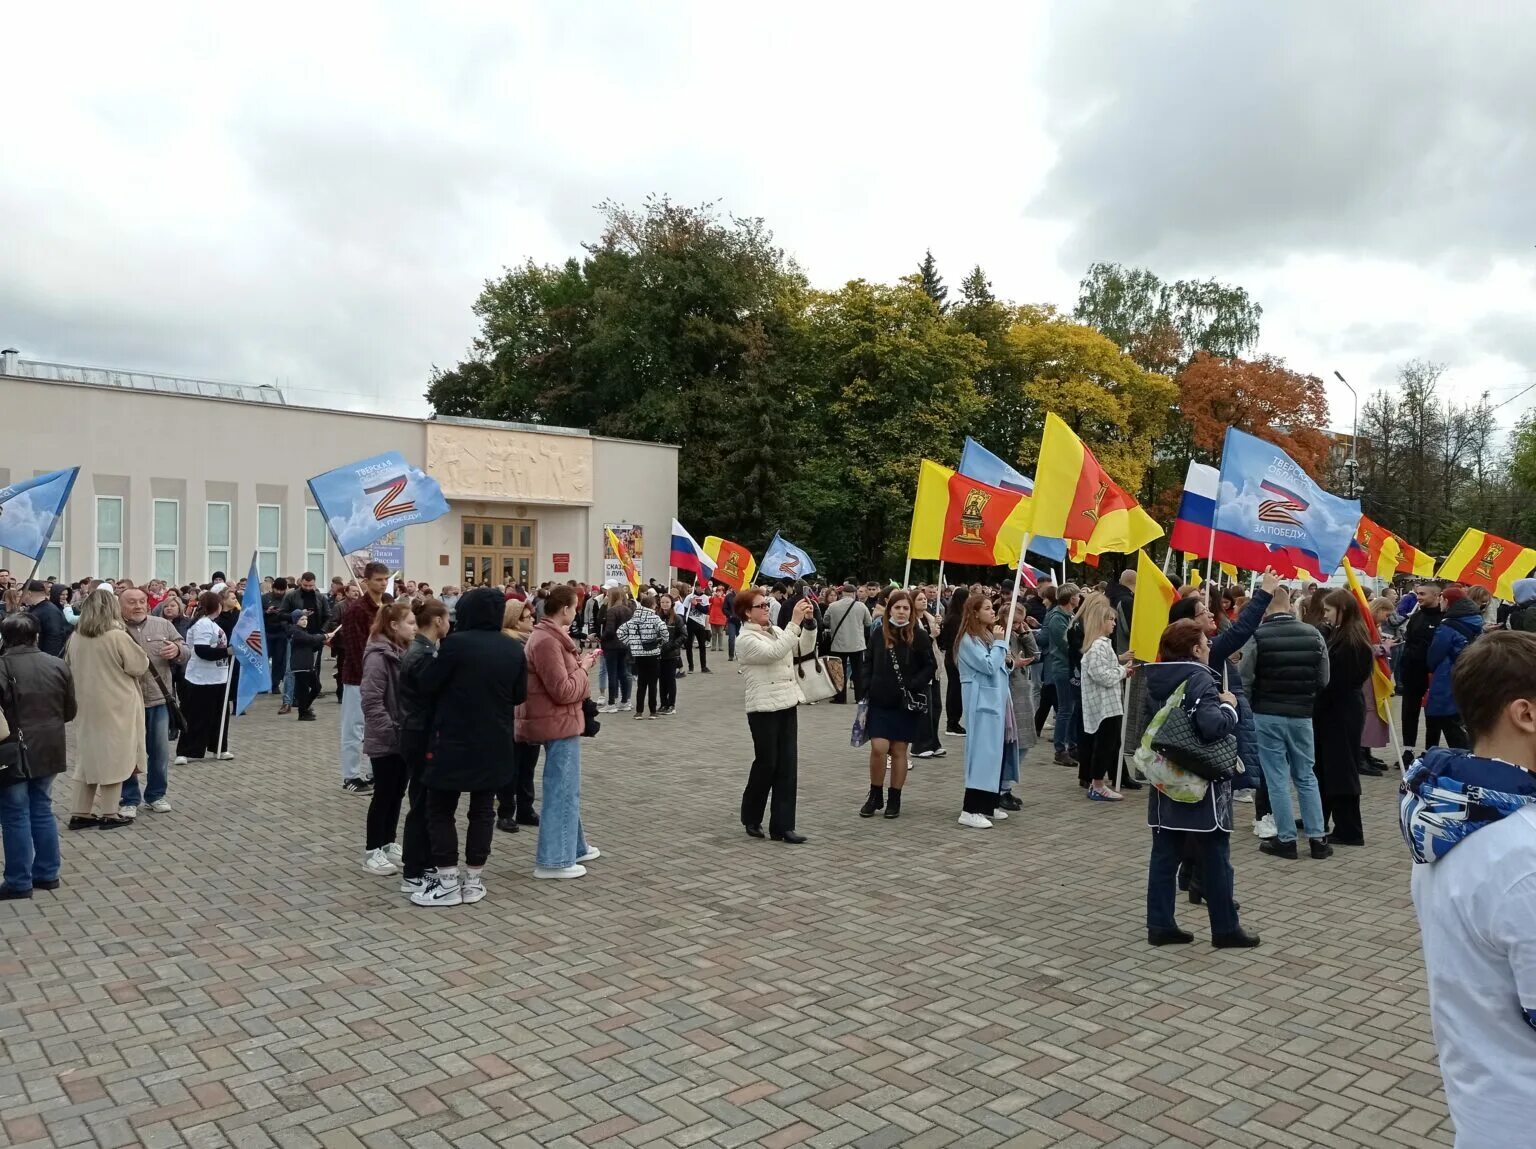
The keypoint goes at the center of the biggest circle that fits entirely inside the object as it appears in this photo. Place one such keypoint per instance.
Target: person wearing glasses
(767, 654)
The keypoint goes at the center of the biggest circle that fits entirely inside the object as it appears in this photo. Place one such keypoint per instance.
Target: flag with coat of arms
(247, 642)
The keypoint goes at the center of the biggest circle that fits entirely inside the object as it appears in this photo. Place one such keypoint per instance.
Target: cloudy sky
(313, 197)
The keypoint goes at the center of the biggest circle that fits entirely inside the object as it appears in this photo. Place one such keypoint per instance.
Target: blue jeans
(157, 742)
(30, 833)
(1285, 753)
(1066, 712)
(618, 676)
(1215, 851)
(288, 680)
(561, 841)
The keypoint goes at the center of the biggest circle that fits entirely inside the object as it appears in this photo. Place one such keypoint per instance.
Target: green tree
(933, 283)
(1162, 325)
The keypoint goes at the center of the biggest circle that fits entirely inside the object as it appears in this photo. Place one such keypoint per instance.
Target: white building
(182, 477)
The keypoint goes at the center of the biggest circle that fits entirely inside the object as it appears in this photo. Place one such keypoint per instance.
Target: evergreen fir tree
(933, 283)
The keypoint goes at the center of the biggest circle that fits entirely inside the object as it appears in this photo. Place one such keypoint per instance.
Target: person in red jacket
(717, 618)
(356, 623)
(552, 716)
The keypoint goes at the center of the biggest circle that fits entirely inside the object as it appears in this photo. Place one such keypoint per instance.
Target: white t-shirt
(1477, 916)
(201, 672)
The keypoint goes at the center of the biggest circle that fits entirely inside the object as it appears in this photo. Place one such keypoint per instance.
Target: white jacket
(767, 656)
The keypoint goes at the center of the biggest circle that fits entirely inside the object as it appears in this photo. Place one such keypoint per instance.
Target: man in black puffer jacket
(1290, 667)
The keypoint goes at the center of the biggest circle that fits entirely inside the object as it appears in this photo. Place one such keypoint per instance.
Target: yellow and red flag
(621, 552)
(1381, 554)
(1155, 596)
(1485, 560)
(1075, 498)
(1381, 670)
(961, 520)
(734, 564)
(1415, 562)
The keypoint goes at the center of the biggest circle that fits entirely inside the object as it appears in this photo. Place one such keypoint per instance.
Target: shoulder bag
(916, 703)
(1178, 740)
(835, 668)
(175, 721)
(815, 685)
(15, 759)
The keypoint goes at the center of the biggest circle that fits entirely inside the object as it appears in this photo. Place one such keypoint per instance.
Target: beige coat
(109, 723)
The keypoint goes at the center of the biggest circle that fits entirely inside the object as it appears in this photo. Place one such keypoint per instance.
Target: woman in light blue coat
(991, 743)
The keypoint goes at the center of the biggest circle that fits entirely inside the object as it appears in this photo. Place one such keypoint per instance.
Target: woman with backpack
(1462, 623)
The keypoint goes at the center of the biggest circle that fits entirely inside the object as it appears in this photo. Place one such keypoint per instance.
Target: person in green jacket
(1057, 671)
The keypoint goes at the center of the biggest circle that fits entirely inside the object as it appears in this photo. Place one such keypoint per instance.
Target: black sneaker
(12, 893)
(1007, 801)
(1279, 849)
(358, 786)
(1236, 940)
(527, 819)
(307, 716)
(1320, 848)
(51, 884)
(507, 824)
(1169, 937)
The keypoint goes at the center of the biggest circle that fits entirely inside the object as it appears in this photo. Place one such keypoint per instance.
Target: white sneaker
(181, 760)
(1243, 796)
(553, 872)
(377, 862)
(472, 889)
(923, 754)
(439, 891)
(394, 853)
(160, 806)
(975, 822)
(1265, 827)
(592, 854)
(127, 811)
(415, 885)
(227, 756)
(999, 815)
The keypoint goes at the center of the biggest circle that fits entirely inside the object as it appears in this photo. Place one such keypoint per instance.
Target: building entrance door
(499, 551)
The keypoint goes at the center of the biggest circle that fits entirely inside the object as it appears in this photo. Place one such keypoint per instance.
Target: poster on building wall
(389, 550)
(632, 536)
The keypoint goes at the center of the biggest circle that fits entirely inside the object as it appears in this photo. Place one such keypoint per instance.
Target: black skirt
(894, 725)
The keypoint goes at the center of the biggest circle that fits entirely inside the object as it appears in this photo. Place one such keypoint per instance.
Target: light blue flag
(976, 462)
(1267, 498)
(364, 501)
(248, 643)
(785, 560)
(30, 510)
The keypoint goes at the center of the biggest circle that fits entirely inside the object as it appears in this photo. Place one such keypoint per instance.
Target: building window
(218, 537)
(52, 565)
(167, 540)
(269, 537)
(109, 537)
(315, 548)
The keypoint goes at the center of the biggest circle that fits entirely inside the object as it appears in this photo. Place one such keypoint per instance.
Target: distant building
(181, 477)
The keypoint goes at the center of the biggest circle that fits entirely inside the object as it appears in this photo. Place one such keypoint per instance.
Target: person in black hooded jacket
(474, 686)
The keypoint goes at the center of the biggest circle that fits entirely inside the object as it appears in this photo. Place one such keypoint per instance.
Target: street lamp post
(1353, 462)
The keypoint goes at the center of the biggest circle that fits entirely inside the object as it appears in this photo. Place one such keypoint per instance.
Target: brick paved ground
(228, 975)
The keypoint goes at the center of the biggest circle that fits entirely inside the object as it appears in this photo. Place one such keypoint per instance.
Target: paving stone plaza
(228, 975)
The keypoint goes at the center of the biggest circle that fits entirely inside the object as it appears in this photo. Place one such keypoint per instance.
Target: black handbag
(916, 703)
(590, 724)
(15, 759)
(1179, 741)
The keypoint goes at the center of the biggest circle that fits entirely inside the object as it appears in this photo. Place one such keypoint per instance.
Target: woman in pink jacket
(551, 716)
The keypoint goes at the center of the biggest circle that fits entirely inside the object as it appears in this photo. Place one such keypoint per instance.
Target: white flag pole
(1167, 560)
(1013, 602)
(1125, 724)
(906, 578)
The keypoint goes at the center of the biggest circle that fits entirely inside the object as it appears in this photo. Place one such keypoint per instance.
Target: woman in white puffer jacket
(767, 655)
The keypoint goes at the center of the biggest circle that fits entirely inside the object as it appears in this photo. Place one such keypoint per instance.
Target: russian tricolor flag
(1192, 531)
(687, 555)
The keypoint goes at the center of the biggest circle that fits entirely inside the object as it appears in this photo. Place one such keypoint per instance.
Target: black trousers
(1047, 704)
(516, 801)
(775, 769)
(1449, 725)
(953, 710)
(1414, 683)
(1096, 752)
(414, 845)
(696, 634)
(443, 831)
(200, 705)
(668, 685)
(853, 675)
(647, 679)
(1344, 811)
(306, 688)
(389, 779)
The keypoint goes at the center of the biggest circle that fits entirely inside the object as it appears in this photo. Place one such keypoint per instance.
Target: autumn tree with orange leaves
(1261, 396)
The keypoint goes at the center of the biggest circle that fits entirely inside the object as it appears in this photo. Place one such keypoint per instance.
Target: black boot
(874, 803)
(1169, 937)
(1320, 848)
(1236, 940)
(893, 803)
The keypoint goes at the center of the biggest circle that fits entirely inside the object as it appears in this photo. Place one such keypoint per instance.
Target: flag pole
(1167, 558)
(1125, 723)
(229, 677)
(941, 576)
(906, 578)
(1013, 602)
(1210, 559)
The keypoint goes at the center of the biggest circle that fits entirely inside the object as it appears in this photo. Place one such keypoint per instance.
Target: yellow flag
(1155, 596)
(1194, 577)
(1229, 570)
(960, 520)
(620, 552)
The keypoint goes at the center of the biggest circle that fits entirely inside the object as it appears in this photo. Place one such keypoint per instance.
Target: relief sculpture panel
(518, 466)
